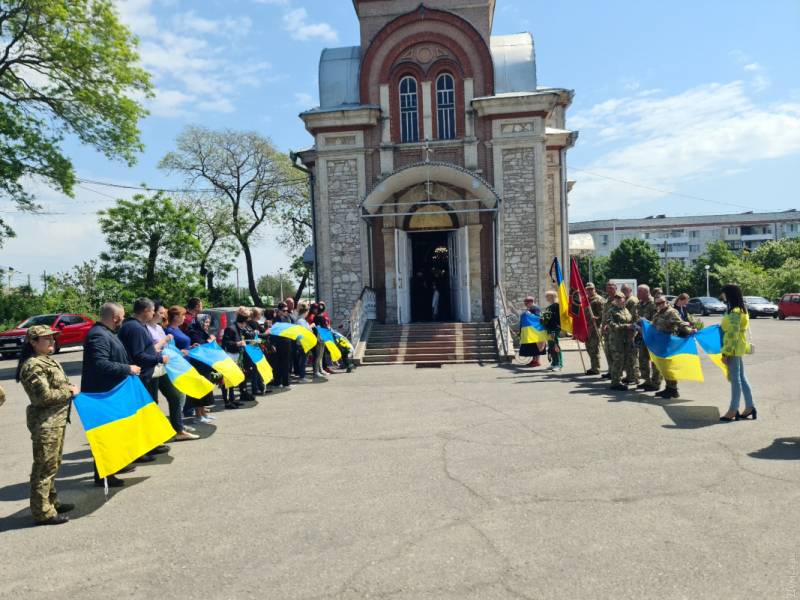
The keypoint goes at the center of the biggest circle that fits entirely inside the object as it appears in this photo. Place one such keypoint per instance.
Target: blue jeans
(739, 383)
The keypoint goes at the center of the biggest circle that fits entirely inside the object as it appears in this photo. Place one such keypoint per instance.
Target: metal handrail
(504, 319)
(364, 310)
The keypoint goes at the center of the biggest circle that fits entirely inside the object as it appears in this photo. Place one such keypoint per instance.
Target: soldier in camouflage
(646, 310)
(632, 304)
(611, 290)
(621, 328)
(50, 393)
(594, 321)
(668, 320)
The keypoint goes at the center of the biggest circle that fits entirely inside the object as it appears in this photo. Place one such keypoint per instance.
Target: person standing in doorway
(435, 303)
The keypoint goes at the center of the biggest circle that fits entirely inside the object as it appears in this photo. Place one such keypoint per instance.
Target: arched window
(446, 106)
(409, 114)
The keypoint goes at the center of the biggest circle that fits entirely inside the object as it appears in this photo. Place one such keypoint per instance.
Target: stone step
(417, 358)
(442, 339)
(429, 344)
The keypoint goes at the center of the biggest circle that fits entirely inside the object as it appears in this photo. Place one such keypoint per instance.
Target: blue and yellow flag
(260, 361)
(326, 335)
(295, 332)
(121, 425)
(183, 375)
(563, 297)
(531, 330)
(710, 340)
(212, 355)
(342, 341)
(675, 357)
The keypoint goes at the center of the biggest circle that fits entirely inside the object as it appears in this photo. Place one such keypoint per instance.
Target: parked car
(760, 307)
(670, 298)
(789, 306)
(705, 305)
(73, 330)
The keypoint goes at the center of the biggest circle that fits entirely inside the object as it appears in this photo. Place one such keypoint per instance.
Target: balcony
(757, 237)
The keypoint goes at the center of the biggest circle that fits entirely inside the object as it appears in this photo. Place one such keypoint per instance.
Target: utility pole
(666, 268)
(238, 297)
(280, 279)
(708, 288)
(44, 280)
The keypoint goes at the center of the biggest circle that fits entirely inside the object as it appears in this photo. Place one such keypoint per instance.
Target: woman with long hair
(198, 332)
(735, 325)
(50, 393)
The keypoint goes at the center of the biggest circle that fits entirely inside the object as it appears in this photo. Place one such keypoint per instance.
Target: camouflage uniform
(620, 341)
(610, 356)
(669, 321)
(647, 310)
(597, 307)
(47, 387)
(632, 304)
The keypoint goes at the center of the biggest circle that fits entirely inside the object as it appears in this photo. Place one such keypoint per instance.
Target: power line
(178, 191)
(661, 191)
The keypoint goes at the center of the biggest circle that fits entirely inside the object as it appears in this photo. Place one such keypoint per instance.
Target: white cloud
(303, 99)
(191, 58)
(666, 141)
(296, 23)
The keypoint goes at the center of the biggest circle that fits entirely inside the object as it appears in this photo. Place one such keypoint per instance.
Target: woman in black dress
(531, 350)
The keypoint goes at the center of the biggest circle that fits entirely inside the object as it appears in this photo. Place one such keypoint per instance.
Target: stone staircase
(430, 343)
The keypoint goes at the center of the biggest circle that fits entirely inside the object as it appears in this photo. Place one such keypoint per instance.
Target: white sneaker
(321, 374)
(205, 420)
(189, 429)
(211, 417)
(185, 436)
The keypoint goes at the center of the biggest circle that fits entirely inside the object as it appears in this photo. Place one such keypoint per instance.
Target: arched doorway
(432, 230)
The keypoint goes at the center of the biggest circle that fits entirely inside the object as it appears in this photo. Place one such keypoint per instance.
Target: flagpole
(580, 353)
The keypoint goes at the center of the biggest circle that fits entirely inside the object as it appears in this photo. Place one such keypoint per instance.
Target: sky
(682, 108)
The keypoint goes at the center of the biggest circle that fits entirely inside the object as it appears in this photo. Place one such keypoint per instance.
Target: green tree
(249, 174)
(784, 279)
(596, 273)
(773, 254)
(635, 259)
(752, 278)
(680, 278)
(150, 240)
(302, 272)
(270, 285)
(717, 255)
(218, 249)
(66, 68)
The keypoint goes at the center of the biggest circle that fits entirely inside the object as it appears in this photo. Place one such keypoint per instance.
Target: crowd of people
(117, 348)
(614, 327)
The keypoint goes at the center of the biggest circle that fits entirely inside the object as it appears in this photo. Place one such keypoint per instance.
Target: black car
(705, 305)
(760, 307)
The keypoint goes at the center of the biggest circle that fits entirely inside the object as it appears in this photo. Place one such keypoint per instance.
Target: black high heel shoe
(753, 414)
(736, 417)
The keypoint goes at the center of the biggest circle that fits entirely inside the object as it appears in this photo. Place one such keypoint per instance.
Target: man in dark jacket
(142, 351)
(106, 363)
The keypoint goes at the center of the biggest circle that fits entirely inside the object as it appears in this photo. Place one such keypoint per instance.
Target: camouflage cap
(37, 331)
(619, 295)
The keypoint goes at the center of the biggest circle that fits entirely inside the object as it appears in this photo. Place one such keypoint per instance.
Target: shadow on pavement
(692, 417)
(787, 448)
(81, 492)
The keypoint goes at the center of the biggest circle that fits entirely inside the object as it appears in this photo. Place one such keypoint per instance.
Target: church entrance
(430, 261)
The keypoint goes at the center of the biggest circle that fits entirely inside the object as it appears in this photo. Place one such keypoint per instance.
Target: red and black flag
(579, 302)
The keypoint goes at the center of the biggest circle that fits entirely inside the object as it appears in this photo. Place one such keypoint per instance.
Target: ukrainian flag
(183, 375)
(531, 330)
(675, 357)
(563, 296)
(295, 332)
(121, 425)
(710, 340)
(260, 361)
(342, 341)
(212, 355)
(326, 335)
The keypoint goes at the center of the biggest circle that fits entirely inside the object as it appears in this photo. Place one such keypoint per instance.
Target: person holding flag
(646, 310)
(530, 348)
(551, 319)
(594, 316)
(51, 394)
(563, 298)
(667, 320)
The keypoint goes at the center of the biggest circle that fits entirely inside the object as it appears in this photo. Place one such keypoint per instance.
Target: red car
(789, 306)
(73, 330)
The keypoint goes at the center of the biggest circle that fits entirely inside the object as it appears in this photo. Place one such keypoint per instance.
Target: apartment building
(685, 238)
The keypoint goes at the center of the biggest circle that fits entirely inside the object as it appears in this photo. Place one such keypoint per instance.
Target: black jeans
(283, 355)
(175, 401)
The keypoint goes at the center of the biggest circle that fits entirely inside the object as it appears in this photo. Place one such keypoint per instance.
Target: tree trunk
(210, 281)
(251, 278)
(150, 275)
(301, 287)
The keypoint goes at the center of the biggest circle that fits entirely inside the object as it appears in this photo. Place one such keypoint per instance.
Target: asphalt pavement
(465, 482)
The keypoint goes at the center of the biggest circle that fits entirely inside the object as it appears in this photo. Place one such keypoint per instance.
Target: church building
(438, 166)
